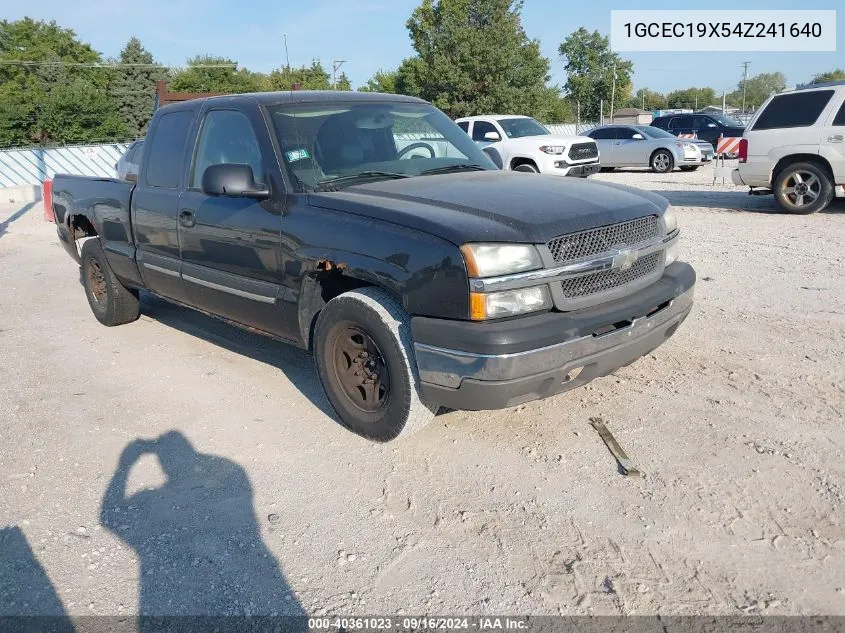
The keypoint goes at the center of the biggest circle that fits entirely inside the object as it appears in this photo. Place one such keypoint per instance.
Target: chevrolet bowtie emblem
(624, 259)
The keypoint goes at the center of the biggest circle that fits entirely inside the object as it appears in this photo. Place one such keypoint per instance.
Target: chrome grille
(583, 151)
(596, 241)
(610, 279)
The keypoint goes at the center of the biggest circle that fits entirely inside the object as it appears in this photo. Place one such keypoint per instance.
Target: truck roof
(495, 117)
(302, 96)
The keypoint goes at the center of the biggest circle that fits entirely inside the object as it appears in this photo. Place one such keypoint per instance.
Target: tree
(134, 86)
(60, 85)
(473, 56)
(313, 77)
(757, 89)
(207, 73)
(590, 65)
(693, 98)
(832, 75)
(381, 82)
(647, 100)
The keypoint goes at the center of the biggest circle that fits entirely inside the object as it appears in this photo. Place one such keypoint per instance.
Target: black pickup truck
(371, 230)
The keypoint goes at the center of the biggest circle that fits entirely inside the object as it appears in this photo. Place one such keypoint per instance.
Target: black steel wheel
(111, 302)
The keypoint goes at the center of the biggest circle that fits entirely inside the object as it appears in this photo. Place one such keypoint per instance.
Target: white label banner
(722, 30)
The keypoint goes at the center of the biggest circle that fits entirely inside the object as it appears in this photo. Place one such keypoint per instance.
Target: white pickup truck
(520, 143)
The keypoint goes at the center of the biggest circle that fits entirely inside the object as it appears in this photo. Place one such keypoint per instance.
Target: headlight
(489, 260)
(496, 305)
(671, 220)
(553, 149)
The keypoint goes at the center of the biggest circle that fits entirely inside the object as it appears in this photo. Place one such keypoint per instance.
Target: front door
(230, 246)
(627, 149)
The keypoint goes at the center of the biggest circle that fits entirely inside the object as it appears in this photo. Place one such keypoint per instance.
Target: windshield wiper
(448, 168)
(328, 183)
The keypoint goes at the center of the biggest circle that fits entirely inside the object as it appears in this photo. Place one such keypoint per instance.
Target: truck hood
(494, 206)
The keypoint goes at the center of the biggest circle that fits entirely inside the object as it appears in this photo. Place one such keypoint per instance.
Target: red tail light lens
(743, 150)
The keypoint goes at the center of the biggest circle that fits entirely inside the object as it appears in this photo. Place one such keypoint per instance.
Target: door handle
(618, 143)
(187, 218)
(836, 138)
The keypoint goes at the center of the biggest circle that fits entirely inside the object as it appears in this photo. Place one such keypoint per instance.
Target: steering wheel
(417, 145)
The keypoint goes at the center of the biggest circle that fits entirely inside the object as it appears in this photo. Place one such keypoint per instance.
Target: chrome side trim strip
(231, 291)
(163, 271)
(567, 271)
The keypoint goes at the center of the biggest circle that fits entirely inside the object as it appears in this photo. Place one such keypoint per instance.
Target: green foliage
(313, 77)
(693, 98)
(207, 73)
(134, 86)
(381, 82)
(757, 89)
(473, 57)
(75, 110)
(647, 100)
(832, 75)
(590, 65)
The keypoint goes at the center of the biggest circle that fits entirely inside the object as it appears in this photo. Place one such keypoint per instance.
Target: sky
(371, 34)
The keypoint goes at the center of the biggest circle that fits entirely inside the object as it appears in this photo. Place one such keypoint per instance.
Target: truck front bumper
(498, 365)
(582, 171)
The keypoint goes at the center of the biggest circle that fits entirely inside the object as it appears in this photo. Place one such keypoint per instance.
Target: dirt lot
(268, 505)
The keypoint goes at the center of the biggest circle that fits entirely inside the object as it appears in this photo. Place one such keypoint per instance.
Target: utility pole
(601, 111)
(723, 101)
(336, 64)
(577, 116)
(744, 81)
(613, 92)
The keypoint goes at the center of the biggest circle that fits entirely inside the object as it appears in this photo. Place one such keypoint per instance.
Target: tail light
(743, 150)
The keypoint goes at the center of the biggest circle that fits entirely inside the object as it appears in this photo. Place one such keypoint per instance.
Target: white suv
(520, 143)
(794, 147)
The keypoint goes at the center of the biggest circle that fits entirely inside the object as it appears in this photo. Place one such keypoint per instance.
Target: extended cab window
(227, 137)
(166, 149)
(796, 109)
(480, 128)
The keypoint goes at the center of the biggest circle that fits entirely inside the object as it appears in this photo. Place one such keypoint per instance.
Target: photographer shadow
(196, 537)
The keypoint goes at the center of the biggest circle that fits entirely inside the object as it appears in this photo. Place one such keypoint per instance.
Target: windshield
(726, 121)
(518, 128)
(342, 144)
(655, 132)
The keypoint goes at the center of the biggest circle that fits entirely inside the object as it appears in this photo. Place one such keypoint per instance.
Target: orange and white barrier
(47, 197)
(728, 145)
(693, 135)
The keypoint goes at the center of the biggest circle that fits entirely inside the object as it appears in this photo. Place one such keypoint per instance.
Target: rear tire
(111, 302)
(530, 168)
(662, 162)
(803, 188)
(365, 359)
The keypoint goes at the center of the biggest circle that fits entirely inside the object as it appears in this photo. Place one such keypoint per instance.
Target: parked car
(794, 147)
(646, 146)
(126, 167)
(520, 143)
(415, 281)
(706, 127)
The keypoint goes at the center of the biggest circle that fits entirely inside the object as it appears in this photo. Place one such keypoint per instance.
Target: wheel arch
(516, 161)
(786, 161)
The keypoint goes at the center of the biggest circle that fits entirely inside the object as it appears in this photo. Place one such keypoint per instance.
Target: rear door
(155, 202)
(681, 125)
(706, 128)
(231, 259)
(833, 140)
(605, 138)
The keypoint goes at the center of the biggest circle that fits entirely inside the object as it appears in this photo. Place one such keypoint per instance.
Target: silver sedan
(645, 146)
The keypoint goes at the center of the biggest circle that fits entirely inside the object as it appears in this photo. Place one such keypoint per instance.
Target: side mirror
(230, 179)
(638, 137)
(131, 176)
(492, 136)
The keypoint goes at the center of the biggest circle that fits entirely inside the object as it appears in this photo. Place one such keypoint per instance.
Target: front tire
(111, 302)
(662, 162)
(530, 168)
(365, 359)
(803, 188)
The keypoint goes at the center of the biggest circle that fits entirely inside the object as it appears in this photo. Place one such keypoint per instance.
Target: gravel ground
(254, 499)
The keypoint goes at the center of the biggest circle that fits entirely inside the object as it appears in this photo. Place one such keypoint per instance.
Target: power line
(21, 62)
